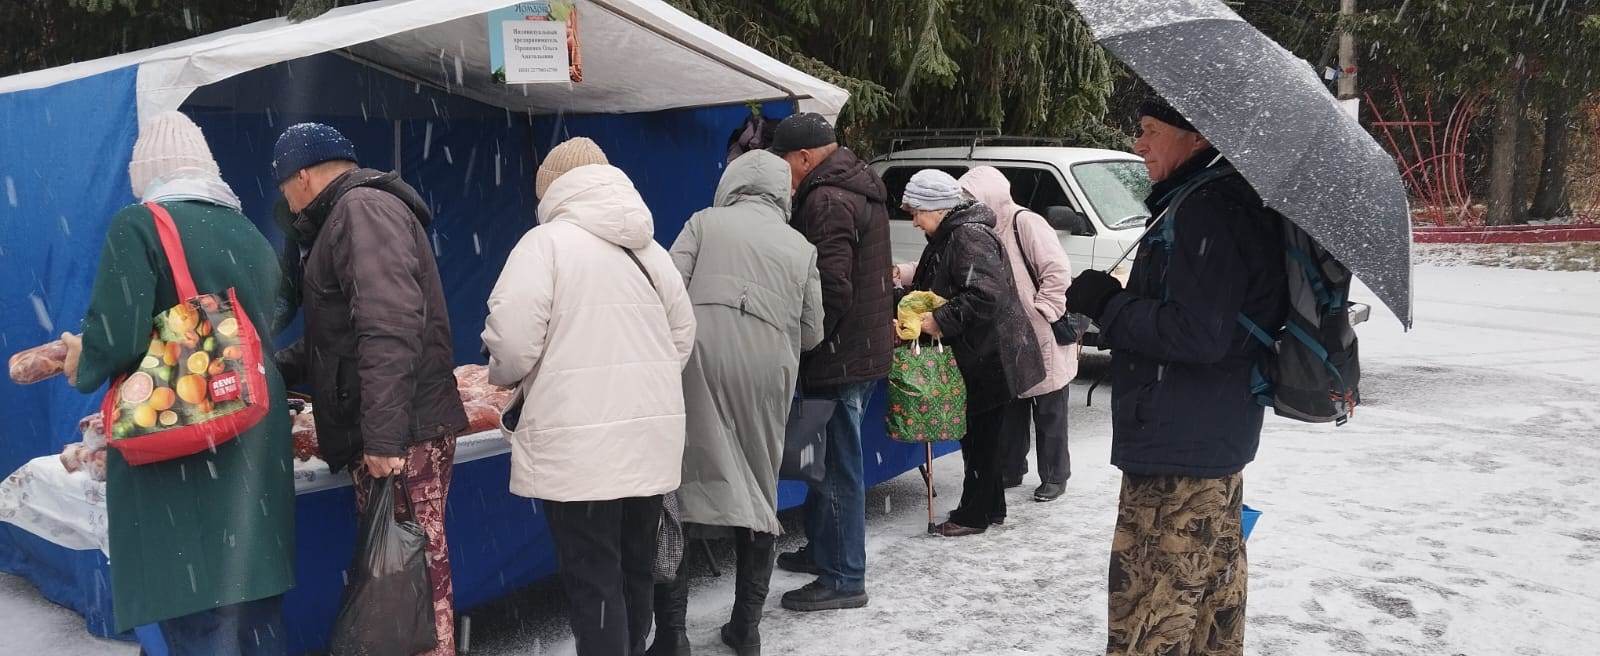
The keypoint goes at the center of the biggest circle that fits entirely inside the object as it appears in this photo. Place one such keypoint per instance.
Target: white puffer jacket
(597, 353)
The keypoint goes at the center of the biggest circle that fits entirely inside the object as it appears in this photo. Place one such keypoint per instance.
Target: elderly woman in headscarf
(984, 322)
(204, 544)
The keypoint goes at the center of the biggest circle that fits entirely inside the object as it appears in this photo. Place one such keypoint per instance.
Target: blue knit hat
(304, 145)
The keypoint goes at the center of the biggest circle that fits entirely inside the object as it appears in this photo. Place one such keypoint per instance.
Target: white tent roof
(638, 56)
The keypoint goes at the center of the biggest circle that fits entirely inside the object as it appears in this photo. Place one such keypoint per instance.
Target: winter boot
(672, 610)
(743, 631)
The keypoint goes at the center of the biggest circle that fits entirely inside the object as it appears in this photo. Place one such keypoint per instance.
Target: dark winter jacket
(840, 207)
(377, 343)
(982, 319)
(1181, 361)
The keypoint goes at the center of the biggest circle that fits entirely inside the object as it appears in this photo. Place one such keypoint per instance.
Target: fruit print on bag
(192, 372)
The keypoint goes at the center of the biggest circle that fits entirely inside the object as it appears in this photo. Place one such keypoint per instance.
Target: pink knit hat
(169, 141)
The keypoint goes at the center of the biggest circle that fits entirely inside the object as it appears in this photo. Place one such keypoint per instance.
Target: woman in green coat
(202, 545)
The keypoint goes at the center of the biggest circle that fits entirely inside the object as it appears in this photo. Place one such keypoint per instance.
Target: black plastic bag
(388, 604)
(805, 440)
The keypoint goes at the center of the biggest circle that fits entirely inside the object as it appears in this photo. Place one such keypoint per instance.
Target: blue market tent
(408, 82)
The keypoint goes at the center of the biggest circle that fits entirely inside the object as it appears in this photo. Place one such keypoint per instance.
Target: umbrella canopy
(1267, 111)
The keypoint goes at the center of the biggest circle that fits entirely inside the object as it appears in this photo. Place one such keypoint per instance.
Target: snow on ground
(1564, 256)
(1459, 513)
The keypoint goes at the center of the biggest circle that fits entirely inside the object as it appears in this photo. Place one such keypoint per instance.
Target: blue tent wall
(64, 160)
(63, 172)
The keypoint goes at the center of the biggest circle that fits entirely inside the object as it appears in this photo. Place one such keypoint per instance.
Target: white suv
(1093, 198)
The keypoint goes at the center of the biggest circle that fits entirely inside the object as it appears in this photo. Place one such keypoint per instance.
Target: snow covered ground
(1459, 513)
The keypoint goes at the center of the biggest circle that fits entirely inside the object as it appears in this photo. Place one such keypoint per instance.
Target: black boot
(743, 631)
(672, 610)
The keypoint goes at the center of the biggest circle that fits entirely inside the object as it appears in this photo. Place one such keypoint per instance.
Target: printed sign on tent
(535, 42)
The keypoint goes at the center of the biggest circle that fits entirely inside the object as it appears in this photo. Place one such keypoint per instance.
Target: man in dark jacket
(1185, 422)
(376, 349)
(840, 206)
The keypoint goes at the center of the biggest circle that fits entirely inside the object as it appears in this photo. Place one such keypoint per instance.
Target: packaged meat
(39, 363)
(482, 416)
(472, 376)
(499, 398)
(93, 430)
(304, 432)
(74, 455)
(97, 465)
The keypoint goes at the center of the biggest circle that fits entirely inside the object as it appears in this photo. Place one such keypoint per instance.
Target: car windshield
(1116, 190)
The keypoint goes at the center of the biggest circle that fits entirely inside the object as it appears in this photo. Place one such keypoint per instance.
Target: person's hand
(930, 327)
(383, 466)
(74, 355)
(1090, 292)
(894, 275)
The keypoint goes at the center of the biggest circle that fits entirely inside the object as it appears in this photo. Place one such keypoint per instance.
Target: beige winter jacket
(597, 353)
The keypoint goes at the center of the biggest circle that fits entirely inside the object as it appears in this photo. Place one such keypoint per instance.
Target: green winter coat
(211, 529)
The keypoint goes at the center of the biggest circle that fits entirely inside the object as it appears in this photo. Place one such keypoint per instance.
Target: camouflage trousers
(427, 474)
(1178, 569)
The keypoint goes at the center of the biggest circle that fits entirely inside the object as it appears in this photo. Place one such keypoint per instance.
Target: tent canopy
(638, 56)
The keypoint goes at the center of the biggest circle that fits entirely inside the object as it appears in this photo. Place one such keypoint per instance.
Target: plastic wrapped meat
(482, 416)
(38, 363)
(472, 377)
(74, 455)
(97, 465)
(93, 430)
(80, 457)
(304, 432)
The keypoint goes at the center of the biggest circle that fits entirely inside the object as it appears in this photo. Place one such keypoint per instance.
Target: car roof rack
(970, 138)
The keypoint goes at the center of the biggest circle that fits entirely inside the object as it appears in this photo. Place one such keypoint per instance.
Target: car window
(1116, 190)
(1037, 189)
(895, 180)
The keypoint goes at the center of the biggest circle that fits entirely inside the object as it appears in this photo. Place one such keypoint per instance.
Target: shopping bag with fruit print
(202, 382)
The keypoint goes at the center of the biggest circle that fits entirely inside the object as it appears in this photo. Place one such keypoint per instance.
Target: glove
(1090, 292)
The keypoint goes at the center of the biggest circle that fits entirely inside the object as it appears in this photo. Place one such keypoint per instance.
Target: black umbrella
(1267, 111)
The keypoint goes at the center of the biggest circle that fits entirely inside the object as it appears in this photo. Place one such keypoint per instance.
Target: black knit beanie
(1159, 110)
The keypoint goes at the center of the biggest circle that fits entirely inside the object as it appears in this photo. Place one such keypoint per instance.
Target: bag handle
(167, 231)
(1016, 231)
(635, 257)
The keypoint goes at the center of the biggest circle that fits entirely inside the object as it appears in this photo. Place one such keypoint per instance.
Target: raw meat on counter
(304, 430)
(483, 403)
(90, 454)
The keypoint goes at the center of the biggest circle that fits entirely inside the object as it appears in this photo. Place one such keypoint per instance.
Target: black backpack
(1312, 366)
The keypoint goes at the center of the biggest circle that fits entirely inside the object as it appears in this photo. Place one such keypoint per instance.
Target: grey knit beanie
(932, 189)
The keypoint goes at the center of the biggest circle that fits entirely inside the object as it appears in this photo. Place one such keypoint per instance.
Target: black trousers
(1050, 431)
(983, 492)
(606, 550)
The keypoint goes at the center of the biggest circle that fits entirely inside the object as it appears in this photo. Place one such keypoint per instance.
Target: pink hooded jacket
(1047, 298)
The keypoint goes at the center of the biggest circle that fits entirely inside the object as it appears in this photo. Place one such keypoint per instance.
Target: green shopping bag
(927, 397)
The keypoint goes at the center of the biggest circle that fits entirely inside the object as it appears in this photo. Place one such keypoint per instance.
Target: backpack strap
(1165, 236)
(1255, 330)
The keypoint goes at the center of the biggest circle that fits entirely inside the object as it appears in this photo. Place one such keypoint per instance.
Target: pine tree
(1022, 66)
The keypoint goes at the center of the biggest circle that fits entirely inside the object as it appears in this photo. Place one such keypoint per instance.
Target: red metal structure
(1431, 155)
